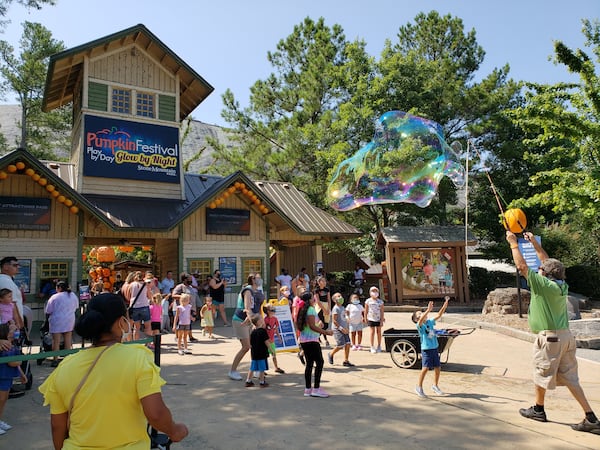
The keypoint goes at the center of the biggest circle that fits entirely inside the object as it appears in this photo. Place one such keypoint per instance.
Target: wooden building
(124, 182)
(426, 263)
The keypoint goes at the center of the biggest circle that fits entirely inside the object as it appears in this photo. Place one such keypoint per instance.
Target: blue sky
(227, 41)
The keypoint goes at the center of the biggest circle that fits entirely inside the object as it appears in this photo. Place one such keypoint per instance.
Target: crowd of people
(145, 306)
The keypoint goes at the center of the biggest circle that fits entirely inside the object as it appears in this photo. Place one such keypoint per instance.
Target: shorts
(183, 327)
(354, 327)
(218, 302)
(155, 325)
(341, 339)
(140, 314)
(430, 358)
(241, 331)
(259, 365)
(555, 363)
(374, 324)
(6, 384)
(272, 349)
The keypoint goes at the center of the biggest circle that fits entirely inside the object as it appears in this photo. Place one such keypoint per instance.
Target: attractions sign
(115, 148)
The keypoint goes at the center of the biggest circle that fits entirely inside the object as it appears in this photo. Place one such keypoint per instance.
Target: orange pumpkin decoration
(231, 190)
(107, 285)
(42, 182)
(35, 177)
(12, 168)
(3, 175)
(55, 194)
(105, 272)
(74, 209)
(61, 199)
(105, 254)
(20, 165)
(68, 202)
(50, 188)
(93, 251)
(99, 271)
(212, 205)
(92, 274)
(29, 172)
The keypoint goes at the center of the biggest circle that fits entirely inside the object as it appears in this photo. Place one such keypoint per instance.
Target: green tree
(562, 137)
(29, 4)
(319, 106)
(25, 74)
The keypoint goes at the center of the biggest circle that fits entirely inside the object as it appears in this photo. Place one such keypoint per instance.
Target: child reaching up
(182, 323)
(259, 351)
(207, 317)
(430, 356)
(8, 371)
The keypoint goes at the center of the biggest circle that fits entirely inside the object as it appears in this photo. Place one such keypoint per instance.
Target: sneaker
(373, 350)
(301, 358)
(419, 392)
(187, 352)
(318, 392)
(2, 432)
(4, 426)
(264, 384)
(348, 364)
(378, 350)
(193, 339)
(531, 413)
(234, 375)
(584, 425)
(354, 347)
(180, 352)
(249, 383)
(278, 370)
(437, 390)
(307, 392)
(330, 358)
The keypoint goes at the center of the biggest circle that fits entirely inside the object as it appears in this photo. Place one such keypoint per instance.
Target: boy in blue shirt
(430, 357)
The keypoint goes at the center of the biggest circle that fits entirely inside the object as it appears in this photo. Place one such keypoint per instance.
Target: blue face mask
(355, 301)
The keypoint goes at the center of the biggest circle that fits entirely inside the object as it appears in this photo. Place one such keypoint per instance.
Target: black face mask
(188, 282)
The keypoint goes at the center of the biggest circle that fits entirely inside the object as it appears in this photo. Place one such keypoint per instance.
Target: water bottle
(17, 336)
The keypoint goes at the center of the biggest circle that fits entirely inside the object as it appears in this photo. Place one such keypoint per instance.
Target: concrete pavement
(373, 405)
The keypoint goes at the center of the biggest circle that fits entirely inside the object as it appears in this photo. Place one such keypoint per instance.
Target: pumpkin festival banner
(115, 148)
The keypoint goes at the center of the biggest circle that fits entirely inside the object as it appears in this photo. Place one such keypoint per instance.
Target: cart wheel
(404, 354)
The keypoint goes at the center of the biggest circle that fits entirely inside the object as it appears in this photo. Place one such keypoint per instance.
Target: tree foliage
(562, 139)
(320, 104)
(25, 75)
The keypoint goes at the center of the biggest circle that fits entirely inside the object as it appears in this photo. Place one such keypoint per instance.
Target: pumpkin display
(20, 165)
(105, 254)
(92, 274)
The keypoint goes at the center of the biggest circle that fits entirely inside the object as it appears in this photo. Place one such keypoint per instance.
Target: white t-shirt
(375, 307)
(355, 313)
(285, 280)
(359, 274)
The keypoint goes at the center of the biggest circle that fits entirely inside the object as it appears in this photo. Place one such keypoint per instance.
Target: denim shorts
(341, 339)
(140, 314)
(430, 358)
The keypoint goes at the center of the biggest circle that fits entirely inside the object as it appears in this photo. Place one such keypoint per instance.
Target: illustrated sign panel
(427, 272)
(23, 278)
(24, 213)
(228, 268)
(115, 148)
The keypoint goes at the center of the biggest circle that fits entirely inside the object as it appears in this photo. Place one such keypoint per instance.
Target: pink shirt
(155, 313)
(6, 312)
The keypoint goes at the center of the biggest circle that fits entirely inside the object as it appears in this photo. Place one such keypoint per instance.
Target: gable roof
(66, 67)
(286, 204)
(419, 236)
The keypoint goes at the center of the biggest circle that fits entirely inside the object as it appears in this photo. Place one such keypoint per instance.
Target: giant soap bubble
(404, 163)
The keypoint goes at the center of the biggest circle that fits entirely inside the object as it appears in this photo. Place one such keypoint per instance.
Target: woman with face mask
(102, 397)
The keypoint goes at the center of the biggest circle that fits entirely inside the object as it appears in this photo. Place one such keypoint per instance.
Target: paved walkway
(373, 406)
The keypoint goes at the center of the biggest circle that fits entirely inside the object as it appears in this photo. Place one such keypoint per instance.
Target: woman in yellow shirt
(104, 396)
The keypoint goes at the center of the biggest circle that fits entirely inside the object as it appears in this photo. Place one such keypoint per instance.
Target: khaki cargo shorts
(554, 359)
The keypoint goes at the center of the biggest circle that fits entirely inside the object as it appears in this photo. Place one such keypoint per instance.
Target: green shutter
(98, 96)
(166, 108)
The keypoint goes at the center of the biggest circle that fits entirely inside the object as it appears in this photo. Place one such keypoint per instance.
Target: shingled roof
(417, 236)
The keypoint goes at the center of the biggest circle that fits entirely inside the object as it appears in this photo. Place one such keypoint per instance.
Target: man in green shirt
(555, 362)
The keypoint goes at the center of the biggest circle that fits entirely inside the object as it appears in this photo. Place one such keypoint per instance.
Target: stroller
(19, 387)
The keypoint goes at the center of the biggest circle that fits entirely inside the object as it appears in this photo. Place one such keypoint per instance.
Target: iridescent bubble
(404, 163)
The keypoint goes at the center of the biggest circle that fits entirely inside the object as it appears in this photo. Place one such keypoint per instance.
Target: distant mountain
(195, 141)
